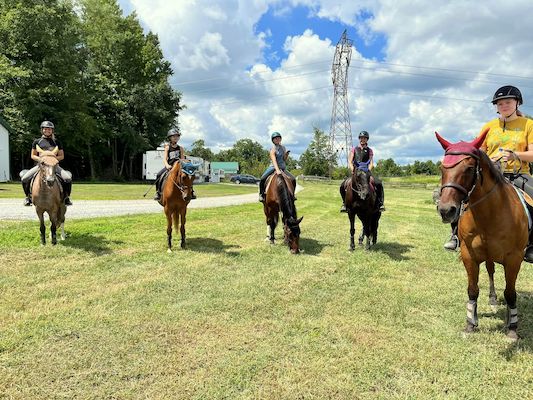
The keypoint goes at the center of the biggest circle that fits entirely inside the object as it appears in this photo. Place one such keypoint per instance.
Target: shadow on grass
(98, 245)
(525, 324)
(394, 250)
(209, 245)
(311, 246)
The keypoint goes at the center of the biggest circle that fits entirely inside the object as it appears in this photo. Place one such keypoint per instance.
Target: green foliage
(199, 150)
(318, 157)
(251, 156)
(94, 73)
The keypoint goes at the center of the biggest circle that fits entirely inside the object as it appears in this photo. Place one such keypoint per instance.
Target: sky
(247, 68)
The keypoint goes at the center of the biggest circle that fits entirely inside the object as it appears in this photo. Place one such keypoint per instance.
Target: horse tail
(285, 201)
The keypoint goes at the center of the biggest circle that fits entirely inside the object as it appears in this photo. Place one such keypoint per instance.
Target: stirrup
(343, 208)
(27, 202)
(67, 201)
(261, 198)
(452, 244)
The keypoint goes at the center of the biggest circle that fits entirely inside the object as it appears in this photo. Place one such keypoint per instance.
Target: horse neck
(361, 180)
(285, 201)
(175, 173)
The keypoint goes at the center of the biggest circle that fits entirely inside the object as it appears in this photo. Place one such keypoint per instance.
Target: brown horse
(177, 192)
(360, 200)
(493, 225)
(47, 196)
(279, 195)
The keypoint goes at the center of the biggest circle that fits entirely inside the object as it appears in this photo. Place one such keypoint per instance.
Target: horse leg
(472, 270)
(42, 227)
(351, 216)
(375, 223)
(168, 213)
(511, 272)
(182, 227)
(53, 230)
(493, 302)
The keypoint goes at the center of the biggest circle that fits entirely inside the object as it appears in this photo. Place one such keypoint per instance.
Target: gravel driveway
(12, 209)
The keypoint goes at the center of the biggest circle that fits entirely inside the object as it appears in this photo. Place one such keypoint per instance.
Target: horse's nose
(448, 212)
(295, 251)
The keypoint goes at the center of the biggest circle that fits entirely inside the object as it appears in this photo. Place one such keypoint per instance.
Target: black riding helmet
(507, 92)
(364, 134)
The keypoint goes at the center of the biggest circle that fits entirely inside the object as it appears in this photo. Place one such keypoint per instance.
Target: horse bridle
(458, 187)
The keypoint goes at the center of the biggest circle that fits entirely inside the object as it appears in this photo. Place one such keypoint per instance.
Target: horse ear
(299, 220)
(443, 142)
(55, 151)
(480, 139)
(39, 150)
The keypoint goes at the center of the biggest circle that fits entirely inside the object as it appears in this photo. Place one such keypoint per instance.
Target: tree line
(94, 73)
(318, 159)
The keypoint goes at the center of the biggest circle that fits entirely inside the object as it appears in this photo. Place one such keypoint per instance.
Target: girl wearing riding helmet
(509, 140)
(278, 156)
(47, 142)
(173, 152)
(364, 154)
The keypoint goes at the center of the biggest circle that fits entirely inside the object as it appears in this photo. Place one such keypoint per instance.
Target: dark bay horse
(177, 193)
(493, 225)
(360, 199)
(47, 196)
(279, 195)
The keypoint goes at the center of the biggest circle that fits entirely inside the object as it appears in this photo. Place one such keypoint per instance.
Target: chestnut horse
(177, 192)
(279, 195)
(360, 199)
(493, 225)
(47, 196)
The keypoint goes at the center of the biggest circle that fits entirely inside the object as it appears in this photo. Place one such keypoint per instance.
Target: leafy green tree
(251, 156)
(387, 168)
(318, 157)
(199, 150)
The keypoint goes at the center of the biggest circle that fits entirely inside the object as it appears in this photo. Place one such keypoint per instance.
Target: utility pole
(340, 133)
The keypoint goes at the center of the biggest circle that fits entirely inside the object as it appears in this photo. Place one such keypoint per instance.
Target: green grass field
(109, 314)
(128, 191)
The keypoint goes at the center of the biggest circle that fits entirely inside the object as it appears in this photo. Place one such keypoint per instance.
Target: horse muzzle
(448, 212)
(50, 182)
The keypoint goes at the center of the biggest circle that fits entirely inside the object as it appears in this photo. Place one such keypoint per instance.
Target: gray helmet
(47, 124)
(364, 134)
(507, 92)
(173, 131)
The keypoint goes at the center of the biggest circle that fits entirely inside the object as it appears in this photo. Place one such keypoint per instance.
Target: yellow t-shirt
(517, 136)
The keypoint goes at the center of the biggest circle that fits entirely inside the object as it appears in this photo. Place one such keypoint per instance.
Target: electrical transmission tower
(340, 133)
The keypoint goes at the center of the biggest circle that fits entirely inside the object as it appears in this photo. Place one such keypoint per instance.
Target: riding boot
(262, 183)
(27, 189)
(453, 243)
(381, 198)
(528, 254)
(67, 188)
(193, 194)
(342, 191)
(157, 184)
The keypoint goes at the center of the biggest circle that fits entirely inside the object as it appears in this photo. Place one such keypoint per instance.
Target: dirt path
(12, 209)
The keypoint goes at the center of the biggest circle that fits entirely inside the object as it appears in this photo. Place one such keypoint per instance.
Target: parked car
(243, 178)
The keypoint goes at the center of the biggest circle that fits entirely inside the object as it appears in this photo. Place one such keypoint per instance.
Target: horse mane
(175, 171)
(495, 173)
(285, 201)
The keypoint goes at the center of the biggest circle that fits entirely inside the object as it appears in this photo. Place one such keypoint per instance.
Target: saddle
(288, 182)
(59, 180)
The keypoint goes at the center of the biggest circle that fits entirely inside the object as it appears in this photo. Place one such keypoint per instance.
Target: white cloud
(435, 60)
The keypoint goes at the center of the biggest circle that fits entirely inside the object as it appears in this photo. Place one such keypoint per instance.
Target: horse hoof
(169, 251)
(512, 335)
(183, 245)
(469, 328)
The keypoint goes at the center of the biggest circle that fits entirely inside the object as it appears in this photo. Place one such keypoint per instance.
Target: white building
(5, 174)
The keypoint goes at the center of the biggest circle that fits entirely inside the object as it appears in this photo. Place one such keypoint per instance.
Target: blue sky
(247, 68)
(294, 22)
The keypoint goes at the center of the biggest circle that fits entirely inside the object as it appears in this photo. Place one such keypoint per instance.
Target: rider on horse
(362, 157)
(278, 156)
(173, 152)
(47, 142)
(509, 140)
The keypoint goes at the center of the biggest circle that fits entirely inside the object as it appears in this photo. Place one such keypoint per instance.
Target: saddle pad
(525, 199)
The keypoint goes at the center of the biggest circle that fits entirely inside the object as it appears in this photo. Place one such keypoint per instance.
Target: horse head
(361, 181)
(183, 176)
(460, 171)
(47, 166)
(292, 234)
